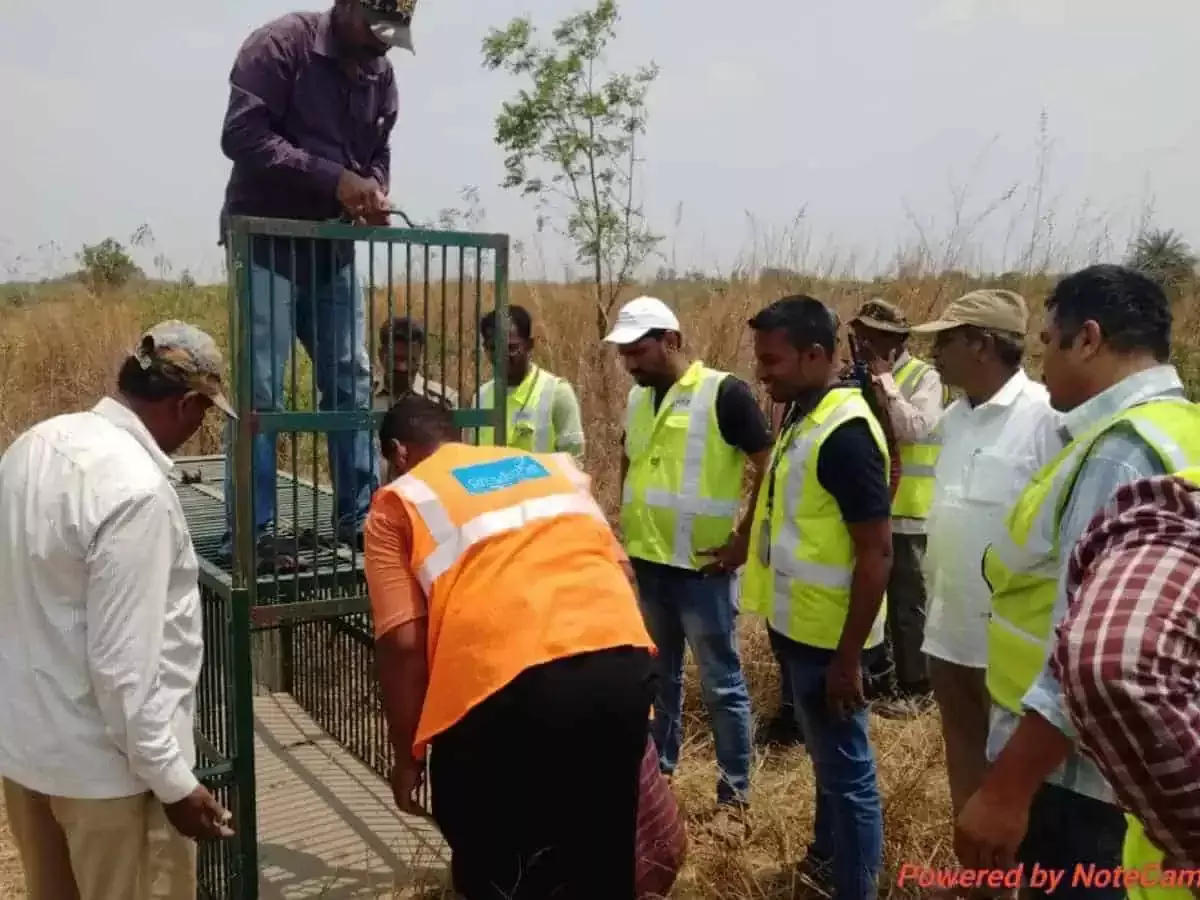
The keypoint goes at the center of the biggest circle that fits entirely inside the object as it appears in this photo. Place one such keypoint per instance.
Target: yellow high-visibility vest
(802, 585)
(530, 408)
(684, 484)
(1022, 570)
(914, 494)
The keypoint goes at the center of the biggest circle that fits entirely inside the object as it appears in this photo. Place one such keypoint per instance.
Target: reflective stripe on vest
(529, 410)
(453, 541)
(804, 589)
(918, 459)
(684, 483)
(1139, 854)
(1023, 567)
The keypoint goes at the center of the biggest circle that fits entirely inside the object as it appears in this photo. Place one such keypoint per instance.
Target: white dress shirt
(989, 454)
(102, 643)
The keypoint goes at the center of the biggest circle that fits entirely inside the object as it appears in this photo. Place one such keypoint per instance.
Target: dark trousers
(536, 789)
(787, 695)
(904, 668)
(1066, 830)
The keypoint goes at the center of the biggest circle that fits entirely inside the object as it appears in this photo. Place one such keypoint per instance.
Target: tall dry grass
(60, 353)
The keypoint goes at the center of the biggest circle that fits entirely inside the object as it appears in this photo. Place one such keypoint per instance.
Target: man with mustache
(103, 642)
(994, 439)
(910, 400)
(689, 431)
(819, 560)
(543, 411)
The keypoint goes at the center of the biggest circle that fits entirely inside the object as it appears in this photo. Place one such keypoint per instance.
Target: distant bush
(107, 265)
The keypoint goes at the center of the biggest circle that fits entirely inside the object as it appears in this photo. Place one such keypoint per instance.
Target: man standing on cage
(312, 104)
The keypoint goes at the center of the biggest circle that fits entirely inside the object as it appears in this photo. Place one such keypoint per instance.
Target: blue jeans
(683, 607)
(849, 817)
(1066, 830)
(330, 323)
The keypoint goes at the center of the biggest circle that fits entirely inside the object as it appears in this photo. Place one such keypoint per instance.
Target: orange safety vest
(517, 563)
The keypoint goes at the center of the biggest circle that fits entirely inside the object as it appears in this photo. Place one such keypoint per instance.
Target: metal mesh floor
(302, 509)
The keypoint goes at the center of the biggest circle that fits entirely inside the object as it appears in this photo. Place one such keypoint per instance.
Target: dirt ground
(12, 882)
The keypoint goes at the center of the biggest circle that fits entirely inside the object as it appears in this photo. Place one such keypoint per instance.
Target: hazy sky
(863, 113)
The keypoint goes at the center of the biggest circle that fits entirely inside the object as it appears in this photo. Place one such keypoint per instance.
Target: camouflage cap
(181, 352)
(391, 21)
(391, 9)
(881, 316)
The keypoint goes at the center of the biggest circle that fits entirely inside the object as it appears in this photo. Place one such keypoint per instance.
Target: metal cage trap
(275, 519)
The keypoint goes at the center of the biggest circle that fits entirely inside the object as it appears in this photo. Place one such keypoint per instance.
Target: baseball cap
(637, 317)
(183, 353)
(391, 21)
(393, 34)
(881, 316)
(997, 309)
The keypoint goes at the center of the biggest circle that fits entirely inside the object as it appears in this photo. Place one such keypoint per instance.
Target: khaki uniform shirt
(432, 389)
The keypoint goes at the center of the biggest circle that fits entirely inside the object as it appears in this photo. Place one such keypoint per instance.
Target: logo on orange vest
(483, 478)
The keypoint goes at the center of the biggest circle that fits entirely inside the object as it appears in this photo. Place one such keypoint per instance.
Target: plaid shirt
(1128, 656)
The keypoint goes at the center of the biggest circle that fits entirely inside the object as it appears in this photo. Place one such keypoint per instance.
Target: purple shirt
(298, 115)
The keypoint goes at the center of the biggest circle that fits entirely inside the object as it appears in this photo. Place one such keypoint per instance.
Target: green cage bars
(283, 591)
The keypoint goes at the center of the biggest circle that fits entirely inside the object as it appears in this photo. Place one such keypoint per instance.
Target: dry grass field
(60, 353)
(10, 867)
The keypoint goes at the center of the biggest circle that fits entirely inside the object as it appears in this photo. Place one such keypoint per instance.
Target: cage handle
(392, 211)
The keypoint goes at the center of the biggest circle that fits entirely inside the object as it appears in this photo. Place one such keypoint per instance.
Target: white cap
(637, 317)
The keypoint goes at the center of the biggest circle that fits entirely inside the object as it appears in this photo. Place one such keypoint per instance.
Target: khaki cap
(880, 315)
(183, 353)
(997, 309)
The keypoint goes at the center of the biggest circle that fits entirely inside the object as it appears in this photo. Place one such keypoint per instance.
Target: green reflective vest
(914, 494)
(530, 407)
(684, 483)
(1140, 854)
(1022, 569)
(801, 559)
